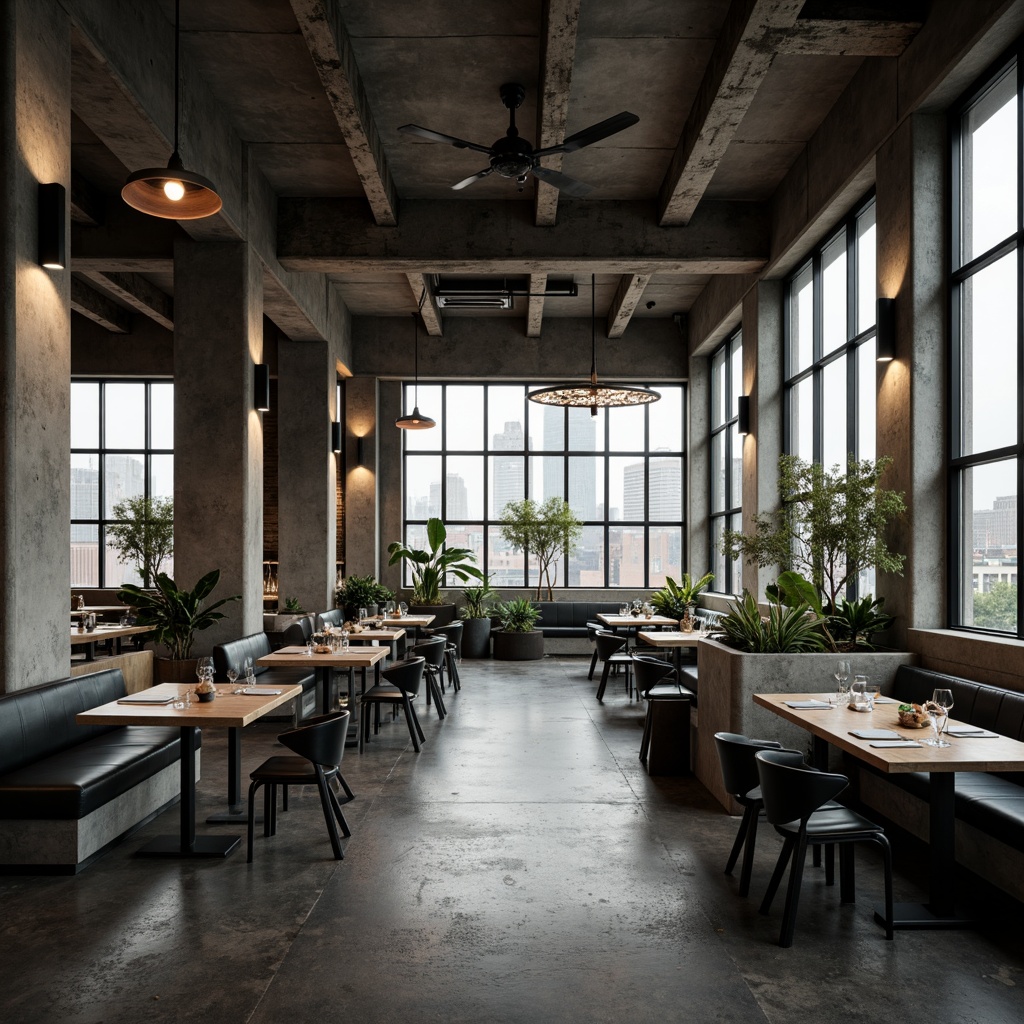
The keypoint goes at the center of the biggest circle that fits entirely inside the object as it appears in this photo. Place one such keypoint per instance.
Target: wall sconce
(885, 330)
(359, 451)
(336, 438)
(743, 415)
(261, 387)
(52, 235)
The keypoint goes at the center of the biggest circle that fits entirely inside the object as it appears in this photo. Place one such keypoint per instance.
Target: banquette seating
(68, 791)
(568, 619)
(233, 654)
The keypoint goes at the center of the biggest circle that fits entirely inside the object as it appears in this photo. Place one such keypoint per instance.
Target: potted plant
(143, 533)
(476, 620)
(545, 531)
(676, 600)
(177, 616)
(515, 639)
(430, 568)
(358, 592)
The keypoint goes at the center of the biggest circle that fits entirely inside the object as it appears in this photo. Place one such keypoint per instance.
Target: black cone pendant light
(415, 420)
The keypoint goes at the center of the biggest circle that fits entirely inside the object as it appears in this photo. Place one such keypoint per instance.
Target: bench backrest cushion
(567, 614)
(332, 617)
(40, 720)
(234, 652)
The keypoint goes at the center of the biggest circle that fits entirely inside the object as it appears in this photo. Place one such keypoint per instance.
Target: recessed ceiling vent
(481, 293)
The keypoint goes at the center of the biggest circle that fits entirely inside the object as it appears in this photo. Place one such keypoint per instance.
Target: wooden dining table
(675, 639)
(964, 754)
(352, 657)
(227, 711)
(89, 638)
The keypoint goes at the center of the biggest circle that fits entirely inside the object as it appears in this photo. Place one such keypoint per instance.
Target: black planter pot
(476, 638)
(518, 646)
(443, 613)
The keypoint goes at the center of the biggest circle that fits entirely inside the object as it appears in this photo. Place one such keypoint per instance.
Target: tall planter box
(443, 613)
(476, 638)
(518, 646)
(728, 680)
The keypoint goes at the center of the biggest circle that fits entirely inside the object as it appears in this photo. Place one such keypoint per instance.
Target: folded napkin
(808, 705)
(876, 734)
(895, 743)
(970, 732)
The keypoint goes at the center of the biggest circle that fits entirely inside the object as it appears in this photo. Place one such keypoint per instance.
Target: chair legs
(411, 720)
(593, 665)
(604, 681)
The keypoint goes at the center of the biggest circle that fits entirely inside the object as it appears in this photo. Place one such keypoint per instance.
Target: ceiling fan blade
(472, 178)
(570, 186)
(595, 133)
(432, 136)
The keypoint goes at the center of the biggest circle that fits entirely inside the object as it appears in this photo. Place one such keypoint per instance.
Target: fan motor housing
(513, 157)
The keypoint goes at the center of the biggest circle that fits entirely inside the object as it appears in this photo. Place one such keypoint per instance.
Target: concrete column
(362, 530)
(35, 373)
(218, 435)
(307, 474)
(389, 478)
(762, 381)
(698, 463)
(912, 401)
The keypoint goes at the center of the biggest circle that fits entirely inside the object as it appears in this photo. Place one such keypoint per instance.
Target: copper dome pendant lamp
(594, 394)
(415, 420)
(172, 192)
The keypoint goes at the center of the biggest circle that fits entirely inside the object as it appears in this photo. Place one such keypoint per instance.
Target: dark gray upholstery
(569, 618)
(256, 645)
(331, 617)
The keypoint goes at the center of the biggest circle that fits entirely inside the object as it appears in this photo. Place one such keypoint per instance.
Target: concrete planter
(476, 638)
(518, 646)
(728, 680)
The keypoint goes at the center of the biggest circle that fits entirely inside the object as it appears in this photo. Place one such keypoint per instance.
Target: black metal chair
(432, 650)
(796, 801)
(452, 632)
(320, 745)
(592, 628)
(656, 680)
(401, 686)
(611, 649)
(739, 774)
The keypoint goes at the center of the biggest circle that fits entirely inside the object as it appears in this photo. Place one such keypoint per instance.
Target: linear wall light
(52, 234)
(261, 387)
(336, 438)
(885, 330)
(360, 453)
(743, 415)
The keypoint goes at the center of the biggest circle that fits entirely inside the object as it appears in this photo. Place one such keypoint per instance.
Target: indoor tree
(545, 531)
(143, 533)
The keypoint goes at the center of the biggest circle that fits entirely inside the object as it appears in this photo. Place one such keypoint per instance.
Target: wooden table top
(354, 657)
(669, 638)
(227, 711)
(100, 608)
(402, 620)
(102, 632)
(376, 634)
(964, 754)
(614, 619)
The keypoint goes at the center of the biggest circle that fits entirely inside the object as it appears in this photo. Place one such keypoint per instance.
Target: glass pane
(666, 420)
(85, 415)
(465, 406)
(507, 481)
(505, 414)
(124, 419)
(719, 405)
(547, 428)
(161, 476)
(867, 369)
(627, 487)
(586, 432)
(737, 374)
(719, 562)
(465, 489)
(123, 477)
(547, 477)
(626, 557)
(505, 565)
(586, 483)
(834, 444)
(989, 170)
(626, 429)
(736, 460)
(989, 357)
(85, 555)
(833, 295)
(665, 490)
(429, 404)
(989, 534)
(161, 416)
(416, 538)
(801, 315)
(802, 420)
(116, 572)
(866, 287)
(586, 566)
(469, 536)
(85, 488)
(666, 554)
(718, 472)
(422, 486)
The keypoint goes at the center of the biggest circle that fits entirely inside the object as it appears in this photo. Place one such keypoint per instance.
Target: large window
(622, 473)
(726, 459)
(122, 446)
(986, 443)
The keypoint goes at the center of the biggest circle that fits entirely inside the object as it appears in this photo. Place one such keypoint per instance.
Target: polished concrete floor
(522, 868)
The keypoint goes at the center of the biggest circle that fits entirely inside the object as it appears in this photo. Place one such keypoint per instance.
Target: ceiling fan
(514, 157)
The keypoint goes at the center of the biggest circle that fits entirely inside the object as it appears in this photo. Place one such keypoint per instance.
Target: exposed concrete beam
(741, 58)
(849, 38)
(334, 236)
(627, 295)
(331, 50)
(426, 304)
(98, 308)
(535, 304)
(558, 51)
(86, 202)
(138, 293)
(126, 241)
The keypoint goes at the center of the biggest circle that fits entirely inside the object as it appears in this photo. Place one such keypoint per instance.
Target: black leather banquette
(255, 646)
(570, 618)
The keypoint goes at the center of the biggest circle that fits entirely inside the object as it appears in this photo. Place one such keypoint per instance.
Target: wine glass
(841, 674)
(250, 672)
(403, 607)
(939, 708)
(362, 614)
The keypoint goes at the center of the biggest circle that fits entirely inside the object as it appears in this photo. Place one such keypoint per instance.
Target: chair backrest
(608, 643)
(407, 675)
(331, 617)
(593, 628)
(736, 756)
(792, 790)
(431, 649)
(648, 672)
(320, 740)
(452, 631)
(299, 631)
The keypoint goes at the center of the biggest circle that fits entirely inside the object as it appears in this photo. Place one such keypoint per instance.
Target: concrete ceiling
(728, 95)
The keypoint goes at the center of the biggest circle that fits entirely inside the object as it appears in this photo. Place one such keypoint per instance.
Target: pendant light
(415, 420)
(593, 394)
(172, 192)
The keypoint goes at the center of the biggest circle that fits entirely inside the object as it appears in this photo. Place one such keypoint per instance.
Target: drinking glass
(623, 609)
(939, 708)
(389, 609)
(344, 639)
(858, 690)
(232, 674)
(403, 607)
(310, 644)
(250, 672)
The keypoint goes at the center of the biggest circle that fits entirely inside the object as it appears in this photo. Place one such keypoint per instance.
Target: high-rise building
(996, 527)
(509, 480)
(664, 491)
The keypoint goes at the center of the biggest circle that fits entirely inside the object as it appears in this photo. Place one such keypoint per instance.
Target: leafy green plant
(358, 592)
(429, 568)
(177, 614)
(516, 616)
(998, 608)
(674, 598)
(545, 531)
(855, 622)
(292, 604)
(792, 629)
(478, 600)
(143, 533)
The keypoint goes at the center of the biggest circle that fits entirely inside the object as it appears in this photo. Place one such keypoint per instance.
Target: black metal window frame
(100, 522)
(1011, 62)
(531, 409)
(727, 573)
